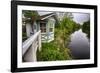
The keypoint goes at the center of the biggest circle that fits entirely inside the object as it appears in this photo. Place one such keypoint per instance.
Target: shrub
(51, 52)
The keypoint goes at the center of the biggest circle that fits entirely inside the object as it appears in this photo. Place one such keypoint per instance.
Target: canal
(79, 45)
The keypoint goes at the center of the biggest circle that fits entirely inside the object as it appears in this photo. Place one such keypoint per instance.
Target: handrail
(29, 41)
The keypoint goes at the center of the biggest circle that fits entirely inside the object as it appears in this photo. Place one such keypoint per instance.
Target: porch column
(39, 39)
(28, 29)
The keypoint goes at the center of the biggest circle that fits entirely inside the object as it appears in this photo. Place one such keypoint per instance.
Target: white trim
(47, 17)
(29, 41)
(53, 63)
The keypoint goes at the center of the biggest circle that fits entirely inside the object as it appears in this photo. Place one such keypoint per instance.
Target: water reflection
(79, 45)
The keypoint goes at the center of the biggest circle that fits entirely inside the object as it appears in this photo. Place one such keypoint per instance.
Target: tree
(30, 16)
(86, 28)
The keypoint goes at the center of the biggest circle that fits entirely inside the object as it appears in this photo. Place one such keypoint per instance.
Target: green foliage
(50, 52)
(66, 23)
(57, 49)
(86, 28)
(63, 31)
(69, 25)
(24, 36)
(30, 16)
(76, 26)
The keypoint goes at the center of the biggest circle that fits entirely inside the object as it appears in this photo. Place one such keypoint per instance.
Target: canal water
(79, 45)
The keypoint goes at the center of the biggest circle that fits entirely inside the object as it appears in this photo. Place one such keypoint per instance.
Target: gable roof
(43, 17)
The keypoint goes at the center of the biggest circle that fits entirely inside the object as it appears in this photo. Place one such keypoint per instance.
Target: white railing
(46, 37)
(30, 46)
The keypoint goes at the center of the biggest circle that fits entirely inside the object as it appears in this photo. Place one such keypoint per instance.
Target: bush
(51, 52)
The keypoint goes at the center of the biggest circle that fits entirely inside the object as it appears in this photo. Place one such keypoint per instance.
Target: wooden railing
(46, 37)
(30, 46)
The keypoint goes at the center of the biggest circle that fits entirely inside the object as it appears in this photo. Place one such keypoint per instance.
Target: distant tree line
(86, 28)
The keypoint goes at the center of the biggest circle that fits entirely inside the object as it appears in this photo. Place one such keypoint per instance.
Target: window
(51, 29)
(43, 27)
(51, 26)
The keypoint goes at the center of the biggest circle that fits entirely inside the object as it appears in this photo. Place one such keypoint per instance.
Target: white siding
(28, 29)
(48, 36)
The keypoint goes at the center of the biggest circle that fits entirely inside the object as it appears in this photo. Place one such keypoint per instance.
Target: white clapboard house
(46, 24)
(42, 30)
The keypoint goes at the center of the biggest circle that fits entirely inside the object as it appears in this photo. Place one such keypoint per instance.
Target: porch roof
(43, 17)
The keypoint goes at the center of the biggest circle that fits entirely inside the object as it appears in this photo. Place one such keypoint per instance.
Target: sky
(81, 17)
(78, 17)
